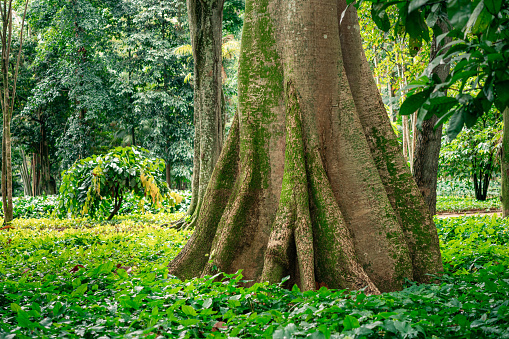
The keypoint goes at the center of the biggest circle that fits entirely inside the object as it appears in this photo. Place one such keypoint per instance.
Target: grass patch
(110, 281)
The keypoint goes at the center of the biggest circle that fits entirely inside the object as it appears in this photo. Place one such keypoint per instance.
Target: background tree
(205, 24)
(473, 155)
(479, 53)
(428, 138)
(8, 97)
(311, 181)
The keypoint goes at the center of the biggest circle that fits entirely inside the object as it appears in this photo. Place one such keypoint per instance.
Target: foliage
(478, 53)
(394, 62)
(45, 206)
(470, 243)
(466, 203)
(34, 207)
(97, 186)
(472, 156)
(132, 205)
(111, 280)
(459, 188)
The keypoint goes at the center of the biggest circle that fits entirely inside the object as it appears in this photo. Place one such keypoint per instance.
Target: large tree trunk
(205, 22)
(311, 182)
(504, 161)
(427, 148)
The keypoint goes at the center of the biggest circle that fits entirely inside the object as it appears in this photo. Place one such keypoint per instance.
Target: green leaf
(57, 308)
(15, 307)
(455, 124)
(502, 94)
(416, 4)
(474, 16)
(122, 273)
(414, 101)
(380, 16)
(458, 12)
(416, 27)
(482, 23)
(493, 6)
(189, 322)
(25, 322)
(189, 311)
(80, 290)
(350, 323)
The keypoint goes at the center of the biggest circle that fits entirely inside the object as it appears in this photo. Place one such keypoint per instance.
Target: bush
(97, 186)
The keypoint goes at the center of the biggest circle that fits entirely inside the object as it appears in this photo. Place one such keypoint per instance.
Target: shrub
(97, 186)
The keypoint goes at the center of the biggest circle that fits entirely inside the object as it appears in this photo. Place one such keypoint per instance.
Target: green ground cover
(46, 206)
(109, 280)
(468, 203)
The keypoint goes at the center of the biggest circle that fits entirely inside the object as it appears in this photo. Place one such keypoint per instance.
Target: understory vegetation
(88, 279)
(458, 196)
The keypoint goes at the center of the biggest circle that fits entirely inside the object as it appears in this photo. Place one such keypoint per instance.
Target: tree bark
(427, 148)
(168, 173)
(504, 165)
(26, 177)
(311, 182)
(205, 23)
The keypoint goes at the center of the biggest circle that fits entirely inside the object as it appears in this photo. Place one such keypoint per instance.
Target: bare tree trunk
(311, 182)
(427, 148)
(36, 174)
(406, 131)
(205, 23)
(168, 173)
(26, 177)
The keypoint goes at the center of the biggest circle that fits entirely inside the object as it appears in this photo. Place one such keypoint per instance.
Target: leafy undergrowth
(110, 281)
(462, 204)
(46, 206)
(469, 243)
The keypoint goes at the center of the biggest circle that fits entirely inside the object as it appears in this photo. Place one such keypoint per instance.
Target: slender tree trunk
(26, 177)
(504, 161)
(427, 148)
(311, 182)
(168, 173)
(205, 22)
(36, 174)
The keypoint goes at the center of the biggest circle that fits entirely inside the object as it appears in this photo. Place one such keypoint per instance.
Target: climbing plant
(97, 186)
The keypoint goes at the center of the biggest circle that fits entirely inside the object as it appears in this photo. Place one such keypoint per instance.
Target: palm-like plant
(230, 50)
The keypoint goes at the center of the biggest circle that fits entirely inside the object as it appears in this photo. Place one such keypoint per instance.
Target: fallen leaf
(218, 326)
(76, 268)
